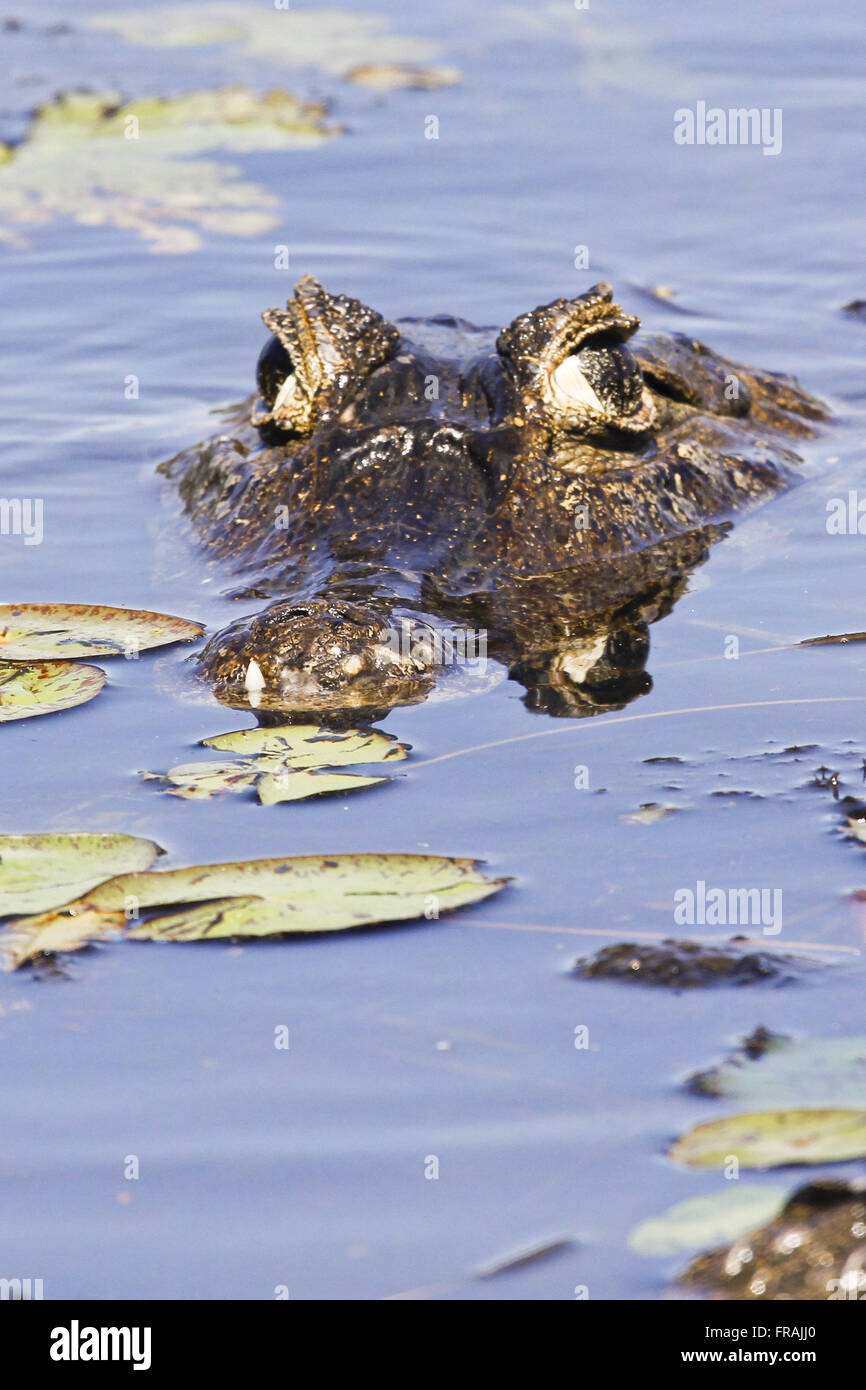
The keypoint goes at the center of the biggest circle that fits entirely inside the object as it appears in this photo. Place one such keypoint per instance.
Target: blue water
(305, 1168)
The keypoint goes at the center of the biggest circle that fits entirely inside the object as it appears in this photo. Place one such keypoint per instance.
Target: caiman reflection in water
(409, 496)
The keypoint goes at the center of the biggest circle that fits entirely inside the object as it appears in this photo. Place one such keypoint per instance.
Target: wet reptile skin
(548, 489)
(814, 1249)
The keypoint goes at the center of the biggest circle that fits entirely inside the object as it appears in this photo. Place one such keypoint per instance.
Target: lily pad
(40, 631)
(274, 787)
(811, 1071)
(702, 1221)
(39, 872)
(309, 745)
(774, 1139)
(92, 157)
(283, 763)
(309, 893)
(52, 932)
(331, 40)
(45, 688)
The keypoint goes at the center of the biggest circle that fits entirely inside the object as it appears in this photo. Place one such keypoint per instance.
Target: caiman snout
(324, 655)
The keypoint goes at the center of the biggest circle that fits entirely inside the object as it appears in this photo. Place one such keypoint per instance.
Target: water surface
(305, 1168)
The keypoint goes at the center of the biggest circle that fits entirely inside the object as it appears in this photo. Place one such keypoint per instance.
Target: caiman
(410, 497)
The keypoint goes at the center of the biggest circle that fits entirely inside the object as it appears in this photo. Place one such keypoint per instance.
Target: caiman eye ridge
(428, 503)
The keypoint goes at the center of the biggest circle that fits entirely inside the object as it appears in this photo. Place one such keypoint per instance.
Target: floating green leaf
(89, 156)
(205, 779)
(39, 872)
(282, 763)
(50, 932)
(331, 40)
(274, 787)
(37, 631)
(194, 120)
(702, 1221)
(775, 1138)
(812, 1071)
(309, 745)
(309, 893)
(45, 687)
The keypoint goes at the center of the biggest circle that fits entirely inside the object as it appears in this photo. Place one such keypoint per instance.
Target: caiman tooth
(253, 679)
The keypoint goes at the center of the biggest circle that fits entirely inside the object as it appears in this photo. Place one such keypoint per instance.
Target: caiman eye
(275, 372)
(602, 376)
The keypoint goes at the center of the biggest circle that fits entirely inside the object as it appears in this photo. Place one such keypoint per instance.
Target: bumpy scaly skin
(814, 1249)
(552, 487)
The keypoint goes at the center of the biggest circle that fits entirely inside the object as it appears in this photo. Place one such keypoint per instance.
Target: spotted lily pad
(809, 1071)
(42, 631)
(309, 745)
(51, 932)
(283, 763)
(45, 687)
(774, 1139)
(702, 1221)
(309, 893)
(39, 872)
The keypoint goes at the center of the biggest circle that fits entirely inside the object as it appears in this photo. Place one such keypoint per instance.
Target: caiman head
(412, 453)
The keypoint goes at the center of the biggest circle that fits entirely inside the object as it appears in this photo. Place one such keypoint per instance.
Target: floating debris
(686, 965)
(390, 77)
(648, 813)
(525, 1255)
